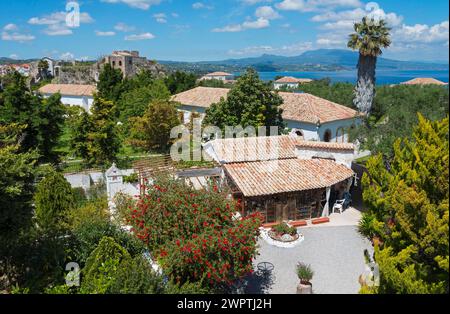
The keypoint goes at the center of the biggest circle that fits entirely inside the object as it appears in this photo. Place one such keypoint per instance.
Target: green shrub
(304, 272)
(132, 178)
(102, 264)
(283, 228)
(186, 288)
(53, 200)
(92, 211)
(79, 196)
(88, 235)
(124, 204)
(135, 276)
(369, 226)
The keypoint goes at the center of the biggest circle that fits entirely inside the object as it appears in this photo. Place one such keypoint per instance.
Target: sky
(207, 30)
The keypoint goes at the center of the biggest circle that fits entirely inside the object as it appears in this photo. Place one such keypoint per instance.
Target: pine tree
(103, 143)
(16, 184)
(80, 134)
(409, 196)
(51, 115)
(109, 83)
(53, 200)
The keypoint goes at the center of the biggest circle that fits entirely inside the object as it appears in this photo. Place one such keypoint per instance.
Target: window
(299, 133)
(120, 63)
(327, 136)
(114, 63)
(130, 62)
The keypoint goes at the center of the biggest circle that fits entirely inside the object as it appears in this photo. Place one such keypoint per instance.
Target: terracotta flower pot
(304, 288)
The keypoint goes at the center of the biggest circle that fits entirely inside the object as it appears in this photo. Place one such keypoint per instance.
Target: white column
(326, 208)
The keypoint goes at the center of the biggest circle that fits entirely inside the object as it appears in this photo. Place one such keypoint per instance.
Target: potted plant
(305, 274)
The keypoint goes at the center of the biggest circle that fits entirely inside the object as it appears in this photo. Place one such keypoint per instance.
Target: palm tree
(369, 38)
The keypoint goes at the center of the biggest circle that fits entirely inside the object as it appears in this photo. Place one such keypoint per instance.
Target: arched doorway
(327, 136)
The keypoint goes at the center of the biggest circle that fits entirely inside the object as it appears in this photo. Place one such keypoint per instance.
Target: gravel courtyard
(335, 254)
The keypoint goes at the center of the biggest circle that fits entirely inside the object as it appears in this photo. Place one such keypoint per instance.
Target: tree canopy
(110, 83)
(53, 201)
(250, 102)
(152, 130)
(408, 201)
(178, 82)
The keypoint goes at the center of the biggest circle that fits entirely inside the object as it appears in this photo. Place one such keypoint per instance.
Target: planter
(320, 220)
(304, 288)
(286, 238)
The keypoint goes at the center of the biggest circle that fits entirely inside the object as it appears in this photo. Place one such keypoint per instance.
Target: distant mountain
(314, 60)
(4, 60)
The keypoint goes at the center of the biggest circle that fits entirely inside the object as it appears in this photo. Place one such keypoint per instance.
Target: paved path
(335, 253)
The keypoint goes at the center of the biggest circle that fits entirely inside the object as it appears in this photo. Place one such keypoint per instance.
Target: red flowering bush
(193, 233)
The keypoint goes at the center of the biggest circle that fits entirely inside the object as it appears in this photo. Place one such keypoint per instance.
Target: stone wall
(77, 74)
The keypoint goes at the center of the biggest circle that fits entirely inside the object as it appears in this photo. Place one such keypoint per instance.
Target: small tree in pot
(305, 274)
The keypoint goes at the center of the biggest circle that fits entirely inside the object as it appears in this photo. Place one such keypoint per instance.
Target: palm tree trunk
(365, 87)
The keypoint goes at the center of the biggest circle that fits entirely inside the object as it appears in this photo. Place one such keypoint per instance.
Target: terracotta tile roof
(201, 96)
(424, 81)
(219, 74)
(290, 79)
(254, 148)
(69, 89)
(287, 175)
(325, 145)
(297, 106)
(309, 108)
(261, 148)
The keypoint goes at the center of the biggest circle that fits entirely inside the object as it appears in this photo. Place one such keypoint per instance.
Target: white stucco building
(72, 94)
(308, 117)
(221, 76)
(51, 65)
(289, 82)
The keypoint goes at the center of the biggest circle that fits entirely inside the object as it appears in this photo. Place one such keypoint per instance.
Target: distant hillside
(314, 60)
(4, 60)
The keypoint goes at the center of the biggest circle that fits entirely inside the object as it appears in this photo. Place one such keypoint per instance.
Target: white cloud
(58, 18)
(263, 16)
(160, 18)
(337, 25)
(316, 5)
(67, 56)
(137, 4)
(286, 50)
(371, 10)
(422, 33)
(17, 37)
(256, 24)
(143, 36)
(11, 33)
(10, 27)
(122, 27)
(106, 33)
(201, 5)
(58, 30)
(267, 12)
(56, 23)
(14, 56)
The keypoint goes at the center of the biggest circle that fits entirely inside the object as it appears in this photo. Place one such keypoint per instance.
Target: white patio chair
(339, 206)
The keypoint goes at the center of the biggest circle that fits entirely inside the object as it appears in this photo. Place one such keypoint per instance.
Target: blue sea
(383, 76)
